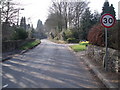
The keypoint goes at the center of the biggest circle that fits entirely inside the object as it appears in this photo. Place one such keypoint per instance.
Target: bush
(71, 36)
(113, 36)
(68, 34)
(20, 34)
(72, 40)
(84, 43)
(56, 38)
(96, 35)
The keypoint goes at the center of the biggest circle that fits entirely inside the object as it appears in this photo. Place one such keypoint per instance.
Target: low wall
(14, 44)
(98, 53)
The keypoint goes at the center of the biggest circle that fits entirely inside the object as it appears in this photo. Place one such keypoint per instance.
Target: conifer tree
(23, 23)
(108, 9)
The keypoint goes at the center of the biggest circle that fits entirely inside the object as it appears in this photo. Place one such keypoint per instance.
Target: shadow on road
(48, 65)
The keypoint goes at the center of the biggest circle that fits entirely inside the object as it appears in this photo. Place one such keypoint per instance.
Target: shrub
(71, 36)
(72, 40)
(113, 36)
(84, 43)
(68, 34)
(96, 35)
(56, 38)
(20, 34)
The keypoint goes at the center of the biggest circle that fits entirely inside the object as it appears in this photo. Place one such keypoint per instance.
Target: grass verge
(30, 45)
(78, 48)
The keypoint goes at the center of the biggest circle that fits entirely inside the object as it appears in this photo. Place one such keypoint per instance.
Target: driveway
(49, 65)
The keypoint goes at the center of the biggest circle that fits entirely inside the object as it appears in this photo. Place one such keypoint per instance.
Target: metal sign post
(107, 21)
(106, 46)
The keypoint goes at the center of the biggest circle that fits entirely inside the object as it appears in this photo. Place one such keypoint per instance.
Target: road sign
(107, 20)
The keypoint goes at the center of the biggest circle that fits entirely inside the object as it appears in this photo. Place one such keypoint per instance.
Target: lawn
(77, 48)
(30, 45)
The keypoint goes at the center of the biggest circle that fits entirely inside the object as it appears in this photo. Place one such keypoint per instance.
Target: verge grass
(78, 48)
(30, 45)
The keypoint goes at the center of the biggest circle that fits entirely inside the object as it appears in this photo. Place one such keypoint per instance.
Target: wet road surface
(48, 65)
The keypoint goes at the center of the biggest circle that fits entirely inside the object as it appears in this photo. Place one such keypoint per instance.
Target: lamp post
(18, 14)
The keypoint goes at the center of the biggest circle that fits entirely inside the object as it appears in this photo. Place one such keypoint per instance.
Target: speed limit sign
(107, 20)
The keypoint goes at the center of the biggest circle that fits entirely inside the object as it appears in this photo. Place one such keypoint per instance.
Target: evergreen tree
(86, 23)
(40, 33)
(96, 18)
(112, 11)
(23, 23)
(39, 25)
(88, 19)
(108, 9)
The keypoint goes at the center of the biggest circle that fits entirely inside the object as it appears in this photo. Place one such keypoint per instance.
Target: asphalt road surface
(48, 65)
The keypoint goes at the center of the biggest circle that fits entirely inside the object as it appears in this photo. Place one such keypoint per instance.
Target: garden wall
(98, 53)
(14, 44)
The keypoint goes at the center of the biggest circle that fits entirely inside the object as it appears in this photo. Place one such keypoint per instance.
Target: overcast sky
(38, 9)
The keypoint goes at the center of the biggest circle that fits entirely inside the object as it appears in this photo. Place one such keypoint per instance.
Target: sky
(38, 9)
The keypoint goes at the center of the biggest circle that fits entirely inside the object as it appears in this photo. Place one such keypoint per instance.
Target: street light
(18, 14)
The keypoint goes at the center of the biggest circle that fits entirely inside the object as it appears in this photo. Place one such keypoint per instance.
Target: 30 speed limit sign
(107, 20)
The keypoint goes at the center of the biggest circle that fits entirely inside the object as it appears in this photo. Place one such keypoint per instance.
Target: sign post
(107, 20)
(106, 45)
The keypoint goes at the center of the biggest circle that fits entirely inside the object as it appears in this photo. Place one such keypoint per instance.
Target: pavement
(109, 79)
(70, 79)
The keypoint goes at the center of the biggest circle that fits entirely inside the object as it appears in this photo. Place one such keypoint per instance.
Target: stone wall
(97, 53)
(14, 44)
(7, 31)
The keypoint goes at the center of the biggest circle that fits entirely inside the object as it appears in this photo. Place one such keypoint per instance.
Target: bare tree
(8, 13)
(78, 10)
(64, 15)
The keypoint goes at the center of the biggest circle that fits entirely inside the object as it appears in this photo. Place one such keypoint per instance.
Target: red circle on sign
(104, 24)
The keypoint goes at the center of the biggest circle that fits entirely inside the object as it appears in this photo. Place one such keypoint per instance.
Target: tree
(56, 10)
(87, 21)
(108, 9)
(23, 23)
(96, 18)
(105, 8)
(64, 15)
(113, 36)
(9, 12)
(112, 10)
(39, 26)
(39, 32)
(79, 8)
(19, 34)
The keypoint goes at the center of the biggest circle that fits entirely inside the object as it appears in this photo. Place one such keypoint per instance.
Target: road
(48, 65)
